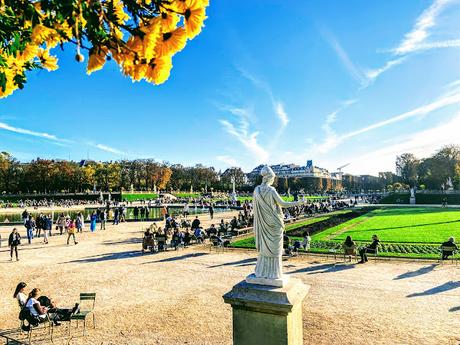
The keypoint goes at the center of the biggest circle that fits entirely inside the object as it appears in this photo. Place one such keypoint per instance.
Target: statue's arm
(285, 204)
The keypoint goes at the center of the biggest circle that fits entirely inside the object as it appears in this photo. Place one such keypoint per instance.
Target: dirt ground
(176, 297)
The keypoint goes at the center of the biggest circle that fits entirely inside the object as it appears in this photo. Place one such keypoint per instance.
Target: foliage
(422, 198)
(140, 35)
(407, 168)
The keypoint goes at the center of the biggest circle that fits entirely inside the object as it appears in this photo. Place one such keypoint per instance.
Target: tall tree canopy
(140, 35)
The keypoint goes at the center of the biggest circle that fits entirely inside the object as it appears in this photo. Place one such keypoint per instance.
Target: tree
(140, 35)
(231, 174)
(10, 173)
(407, 168)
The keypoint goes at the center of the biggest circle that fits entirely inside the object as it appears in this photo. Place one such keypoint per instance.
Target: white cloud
(352, 69)
(241, 131)
(419, 33)
(277, 105)
(373, 74)
(230, 161)
(438, 45)
(279, 109)
(422, 144)
(109, 149)
(29, 132)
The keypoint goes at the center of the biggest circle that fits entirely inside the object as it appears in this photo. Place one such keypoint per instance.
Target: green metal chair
(87, 303)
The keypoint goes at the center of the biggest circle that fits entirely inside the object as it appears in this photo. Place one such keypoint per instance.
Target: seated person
(211, 231)
(306, 241)
(196, 223)
(371, 248)
(20, 295)
(187, 238)
(296, 246)
(176, 239)
(37, 311)
(447, 245)
(234, 223)
(221, 241)
(199, 235)
(287, 245)
(349, 243)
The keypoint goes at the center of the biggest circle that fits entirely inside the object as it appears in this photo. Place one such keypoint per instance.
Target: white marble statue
(268, 230)
(412, 193)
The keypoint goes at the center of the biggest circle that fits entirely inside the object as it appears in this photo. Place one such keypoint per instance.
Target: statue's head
(268, 176)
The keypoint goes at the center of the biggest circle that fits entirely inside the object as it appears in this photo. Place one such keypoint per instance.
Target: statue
(269, 231)
(412, 193)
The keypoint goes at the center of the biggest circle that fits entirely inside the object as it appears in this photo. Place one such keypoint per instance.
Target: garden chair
(216, 244)
(87, 303)
(47, 323)
(453, 257)
(349, 251)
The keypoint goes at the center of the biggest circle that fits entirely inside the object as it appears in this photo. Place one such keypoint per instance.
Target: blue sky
(265, 82)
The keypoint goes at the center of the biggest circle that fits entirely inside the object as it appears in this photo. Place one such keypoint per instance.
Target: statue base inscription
(412, 201)
(267, 315)
(252, 279)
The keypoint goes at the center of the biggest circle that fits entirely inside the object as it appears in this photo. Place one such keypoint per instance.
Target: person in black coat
(14, 241)
(446, 245)
(371, 248)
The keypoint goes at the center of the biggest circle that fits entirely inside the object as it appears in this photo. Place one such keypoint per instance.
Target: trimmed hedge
(421, 198)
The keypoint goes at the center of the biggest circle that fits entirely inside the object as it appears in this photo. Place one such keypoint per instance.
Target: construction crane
(343, 166)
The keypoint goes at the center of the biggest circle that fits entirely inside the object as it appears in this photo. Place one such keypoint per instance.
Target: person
(14, 241)
(102, 218)
(211, 211)
(349, 247)
(196, 223)
(446, 246)
(71, 232)
(60, 223)
(142, 211)
(20, 295)
(25, 216)
(49, 225)
(93, 221)
(306, 241)
(349, 243)
(164, 212)
(79, 222)
(186, 210)
(30, 225)
(35, 308)
(234, 223)
(115, 216)
(147, 212)
(198, 235)
(371, 248)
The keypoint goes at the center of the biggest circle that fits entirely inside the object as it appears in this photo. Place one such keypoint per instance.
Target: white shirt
(30, 304)
(22, 298)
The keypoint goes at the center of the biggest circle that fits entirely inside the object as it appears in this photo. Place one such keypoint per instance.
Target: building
(294, 170)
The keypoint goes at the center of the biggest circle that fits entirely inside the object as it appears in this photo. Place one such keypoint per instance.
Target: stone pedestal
(412, 201)
(267, 315)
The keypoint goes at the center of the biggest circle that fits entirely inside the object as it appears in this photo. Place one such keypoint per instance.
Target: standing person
(25, 216)
(49, 224)
(61, 223)
(30, 225)
(93, 221)
(164, 212)
(196, 223)
(79, 221)
(136, 213)
(102, 217)
(186, 210)
(115, 216)
(45, 228)
(147, 212)
(142, 213)
(71, 232)
(211, 211)
(14, 241)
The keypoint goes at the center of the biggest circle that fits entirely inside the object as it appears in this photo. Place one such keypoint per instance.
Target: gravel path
(176, 297)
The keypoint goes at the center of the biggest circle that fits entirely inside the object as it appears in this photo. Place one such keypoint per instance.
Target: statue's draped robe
(268, 229)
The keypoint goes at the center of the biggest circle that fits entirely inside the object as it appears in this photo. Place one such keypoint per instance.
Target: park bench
(87, 303)
(449, 249)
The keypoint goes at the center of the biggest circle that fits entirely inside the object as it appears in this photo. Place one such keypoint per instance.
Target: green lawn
(401, 225)
(403, 232)
(138, 196)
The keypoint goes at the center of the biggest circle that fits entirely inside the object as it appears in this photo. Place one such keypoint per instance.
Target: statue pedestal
(267, 315)
(412, 201)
